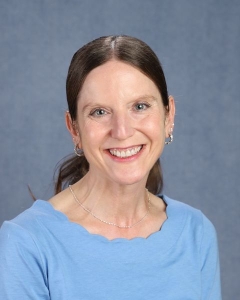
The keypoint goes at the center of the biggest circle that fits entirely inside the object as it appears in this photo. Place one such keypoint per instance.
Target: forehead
(117, 80)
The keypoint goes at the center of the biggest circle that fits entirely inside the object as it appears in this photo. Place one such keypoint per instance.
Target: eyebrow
(146, 97)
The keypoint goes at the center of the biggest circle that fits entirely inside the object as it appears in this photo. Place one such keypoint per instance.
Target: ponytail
(69, 170)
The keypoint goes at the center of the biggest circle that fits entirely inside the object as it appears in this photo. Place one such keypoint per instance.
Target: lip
(125, 159)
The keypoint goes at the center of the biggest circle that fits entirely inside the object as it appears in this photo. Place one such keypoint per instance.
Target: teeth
(125, 153)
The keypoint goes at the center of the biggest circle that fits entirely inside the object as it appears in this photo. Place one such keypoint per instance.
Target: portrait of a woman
(109, 232)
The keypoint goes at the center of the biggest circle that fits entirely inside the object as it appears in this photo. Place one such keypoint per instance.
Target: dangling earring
(170, 139)
(78, 151)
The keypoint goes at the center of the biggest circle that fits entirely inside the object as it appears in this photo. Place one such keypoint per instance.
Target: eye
(141, 106)
(99, 112)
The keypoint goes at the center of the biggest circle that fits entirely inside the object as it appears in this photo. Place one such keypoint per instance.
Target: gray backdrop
(198, 44)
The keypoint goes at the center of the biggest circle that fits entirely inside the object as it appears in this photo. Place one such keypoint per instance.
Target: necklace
(110, 223)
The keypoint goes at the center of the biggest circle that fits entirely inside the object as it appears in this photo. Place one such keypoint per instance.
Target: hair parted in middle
(122, 48)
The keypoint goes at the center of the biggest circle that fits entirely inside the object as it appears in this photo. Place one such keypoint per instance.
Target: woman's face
(121, 123)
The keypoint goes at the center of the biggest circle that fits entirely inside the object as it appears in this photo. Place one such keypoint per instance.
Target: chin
(129, 180)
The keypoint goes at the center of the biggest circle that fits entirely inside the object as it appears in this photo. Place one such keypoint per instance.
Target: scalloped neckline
(164, 230)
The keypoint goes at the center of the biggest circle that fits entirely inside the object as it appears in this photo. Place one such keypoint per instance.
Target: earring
(170, 136)
(170, 139)
(78, 151)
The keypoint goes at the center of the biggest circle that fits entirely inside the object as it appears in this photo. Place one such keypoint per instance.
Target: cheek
(92, 132)
(154, 123)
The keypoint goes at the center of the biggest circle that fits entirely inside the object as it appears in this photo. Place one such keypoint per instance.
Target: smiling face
(121, 123)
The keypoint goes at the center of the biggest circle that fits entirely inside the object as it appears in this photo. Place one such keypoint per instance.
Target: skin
(119, 109)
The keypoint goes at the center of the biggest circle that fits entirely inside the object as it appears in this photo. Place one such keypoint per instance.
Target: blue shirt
(45, 256)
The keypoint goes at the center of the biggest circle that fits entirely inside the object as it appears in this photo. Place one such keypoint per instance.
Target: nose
(122, 126)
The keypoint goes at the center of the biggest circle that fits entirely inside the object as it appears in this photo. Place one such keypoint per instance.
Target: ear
(169, 121)
(73, 129)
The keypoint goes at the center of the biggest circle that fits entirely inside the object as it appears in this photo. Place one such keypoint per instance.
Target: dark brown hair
(122, 48)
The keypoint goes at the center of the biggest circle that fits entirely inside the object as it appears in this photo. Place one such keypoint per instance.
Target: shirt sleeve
(210, 271)
(22, 275)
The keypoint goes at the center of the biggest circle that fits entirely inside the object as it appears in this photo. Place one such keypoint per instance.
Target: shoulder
(190, 212)
(22, 254)
(18, 236)
(30, 233)
(194, 220)
(38, 208)
(29, 221)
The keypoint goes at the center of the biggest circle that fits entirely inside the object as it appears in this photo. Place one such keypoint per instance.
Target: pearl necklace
(110, 223)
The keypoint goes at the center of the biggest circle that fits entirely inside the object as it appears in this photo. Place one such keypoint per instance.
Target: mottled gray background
(198, 44)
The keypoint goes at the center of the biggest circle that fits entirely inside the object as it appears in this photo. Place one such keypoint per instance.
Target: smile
(125, 153)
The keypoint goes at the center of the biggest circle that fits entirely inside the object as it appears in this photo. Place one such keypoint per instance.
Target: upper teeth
(125, 153)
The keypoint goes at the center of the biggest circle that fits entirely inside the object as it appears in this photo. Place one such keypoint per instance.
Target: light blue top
(44, 256)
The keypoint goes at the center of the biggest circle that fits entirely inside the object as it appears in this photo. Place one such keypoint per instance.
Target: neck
(115, 203)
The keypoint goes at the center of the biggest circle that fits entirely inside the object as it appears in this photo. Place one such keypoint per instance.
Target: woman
(110, 234)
